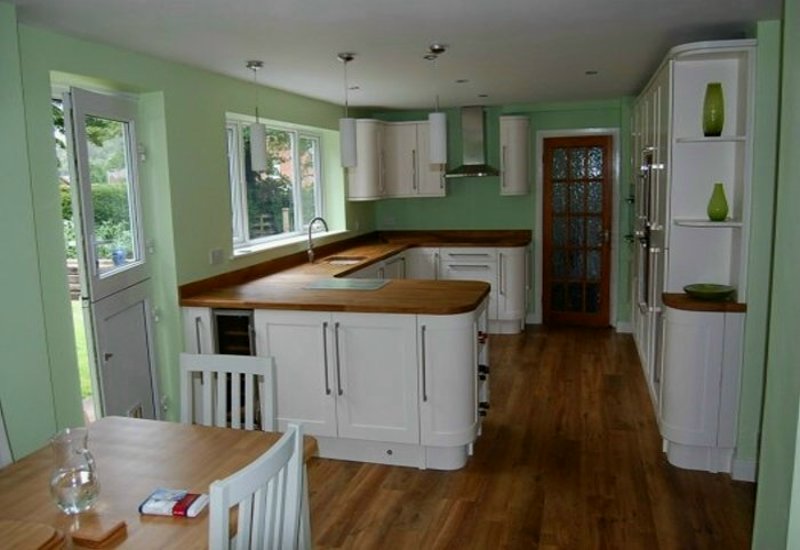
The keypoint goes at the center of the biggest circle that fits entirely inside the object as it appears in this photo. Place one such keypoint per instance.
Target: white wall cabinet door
(448, 379)
(511, 284)
(514, 155)
(400, 148)
(422, 263)
(376, 379)
(301, 343)
(366, 179)
(198, 331)
(430, 177)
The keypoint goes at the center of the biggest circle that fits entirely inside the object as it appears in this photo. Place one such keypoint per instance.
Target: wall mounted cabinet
(514, 155)
(366, 180)
(409, 172)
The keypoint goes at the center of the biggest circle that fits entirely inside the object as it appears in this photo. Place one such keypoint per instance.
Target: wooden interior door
(577, 230)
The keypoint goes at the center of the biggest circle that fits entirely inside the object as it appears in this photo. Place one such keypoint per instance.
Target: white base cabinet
(514, 155)
(386, 388)
(700, 388)
(422, 263)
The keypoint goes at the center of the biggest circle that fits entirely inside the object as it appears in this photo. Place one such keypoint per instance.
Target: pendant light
(437, 121)
(258, 133)
(347, 125)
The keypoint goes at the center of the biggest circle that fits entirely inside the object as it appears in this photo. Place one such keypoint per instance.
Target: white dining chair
(267, 493)
(234, 391)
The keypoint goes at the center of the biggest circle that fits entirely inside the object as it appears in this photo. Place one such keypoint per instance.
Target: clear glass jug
(74, 483)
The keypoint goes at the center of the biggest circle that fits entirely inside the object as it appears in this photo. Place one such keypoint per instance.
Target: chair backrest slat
(234, 391)
(268, 494)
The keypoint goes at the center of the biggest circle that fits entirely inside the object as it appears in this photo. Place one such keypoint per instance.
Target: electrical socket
(215, 256)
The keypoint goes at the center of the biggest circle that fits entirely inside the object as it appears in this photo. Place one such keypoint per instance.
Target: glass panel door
(576, 230)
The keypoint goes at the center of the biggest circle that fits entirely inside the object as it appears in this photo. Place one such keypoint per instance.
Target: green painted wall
(475, 203)
(185, 194)
(25, 388)
(762, 205)
(778, 498)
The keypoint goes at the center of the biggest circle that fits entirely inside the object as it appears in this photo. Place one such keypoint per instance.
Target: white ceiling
(514, 51)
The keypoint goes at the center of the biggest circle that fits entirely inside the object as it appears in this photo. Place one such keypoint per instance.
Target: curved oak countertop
(285, 287)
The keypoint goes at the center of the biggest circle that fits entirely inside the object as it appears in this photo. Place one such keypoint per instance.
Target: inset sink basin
(347, 284)
(345, 260)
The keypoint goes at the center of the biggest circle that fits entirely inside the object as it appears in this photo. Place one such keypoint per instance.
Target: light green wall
(778, 497)
(185, 194)
(762, 204)
(475, 203)
(25, 388)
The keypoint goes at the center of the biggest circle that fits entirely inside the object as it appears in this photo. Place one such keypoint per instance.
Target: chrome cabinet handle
(338, 359)
(502, 285)
(424, 366)
(325, 356)
(414, 169)
(436, 266)
(197, 322)
(503, 167)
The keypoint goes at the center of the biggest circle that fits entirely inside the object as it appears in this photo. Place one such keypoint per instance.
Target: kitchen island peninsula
(379, 366)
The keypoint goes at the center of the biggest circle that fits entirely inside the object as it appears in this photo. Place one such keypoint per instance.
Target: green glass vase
(718, 205)
(713, 110)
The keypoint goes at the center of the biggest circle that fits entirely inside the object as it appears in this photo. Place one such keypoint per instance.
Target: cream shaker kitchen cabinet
(366, 179)
(700, 387)
(198, 330)
(514, 155)
(302, 344)
(395, 267)
(512, 287)
(422, 263)
(345, 375)
(472, 264)
(408, 170)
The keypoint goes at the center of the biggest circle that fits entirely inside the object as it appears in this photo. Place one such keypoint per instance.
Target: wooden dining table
(134, 457)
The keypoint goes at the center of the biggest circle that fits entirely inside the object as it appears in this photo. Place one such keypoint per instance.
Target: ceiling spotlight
(483, 95)
(462, 81)
(590, 73)
(437, 49)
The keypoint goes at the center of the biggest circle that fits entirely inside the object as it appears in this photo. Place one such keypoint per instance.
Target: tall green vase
(713, 110)
(718, 205)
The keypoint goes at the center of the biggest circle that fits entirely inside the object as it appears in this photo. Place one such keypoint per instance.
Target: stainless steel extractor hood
(473, 143)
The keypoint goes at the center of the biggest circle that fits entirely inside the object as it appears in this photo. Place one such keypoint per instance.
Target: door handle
(414, 169)
(197, 322)
(338, 359)
(325, 356)
(424, 365)
(107, 356)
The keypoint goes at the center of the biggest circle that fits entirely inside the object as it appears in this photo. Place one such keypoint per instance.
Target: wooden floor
(570, 458)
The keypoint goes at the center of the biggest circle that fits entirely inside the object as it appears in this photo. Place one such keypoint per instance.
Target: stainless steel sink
(346, 284)
(344, 260)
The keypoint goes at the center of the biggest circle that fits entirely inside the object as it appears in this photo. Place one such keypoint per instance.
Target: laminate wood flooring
(570, 458)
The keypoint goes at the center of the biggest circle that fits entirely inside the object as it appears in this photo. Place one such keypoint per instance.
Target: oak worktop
(280, 284)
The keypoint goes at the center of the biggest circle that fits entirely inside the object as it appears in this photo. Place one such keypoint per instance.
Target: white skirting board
(624, 327)
(744, 470)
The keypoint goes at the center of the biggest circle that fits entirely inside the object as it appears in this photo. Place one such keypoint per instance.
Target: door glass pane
(592, 298)
(559, 231)
(576, 231)
(577, 163)
(594, 203)
(593, 265)
(577, 193)
(308, 155)
(594, 231)
(559, 164)
(559, 197)
(575, 297)
(111, 180)
(576, 264)
(595, 162)
(270, 204)
(557, 298)
(559, 264)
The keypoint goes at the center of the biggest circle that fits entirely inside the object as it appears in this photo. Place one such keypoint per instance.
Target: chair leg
(305, 541)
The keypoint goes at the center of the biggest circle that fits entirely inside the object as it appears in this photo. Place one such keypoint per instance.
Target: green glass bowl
(709, 291)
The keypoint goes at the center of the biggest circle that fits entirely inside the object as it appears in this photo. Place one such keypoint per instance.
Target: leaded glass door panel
(577, 230)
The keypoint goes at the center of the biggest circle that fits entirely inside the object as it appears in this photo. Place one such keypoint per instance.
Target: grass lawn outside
(82, 352)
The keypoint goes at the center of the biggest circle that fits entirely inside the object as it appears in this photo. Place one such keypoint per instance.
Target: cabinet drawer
(468, 255)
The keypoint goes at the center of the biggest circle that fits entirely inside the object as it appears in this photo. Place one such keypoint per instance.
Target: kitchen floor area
(570, 458)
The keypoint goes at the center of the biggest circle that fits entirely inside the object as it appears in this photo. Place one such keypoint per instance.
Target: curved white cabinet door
(366, 179)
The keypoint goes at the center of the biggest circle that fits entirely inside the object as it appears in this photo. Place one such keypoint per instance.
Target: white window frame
(238, 184)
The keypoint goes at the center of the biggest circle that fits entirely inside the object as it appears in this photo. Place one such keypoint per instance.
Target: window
(279, 202)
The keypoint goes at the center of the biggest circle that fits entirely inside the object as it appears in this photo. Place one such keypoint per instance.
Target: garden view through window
(281, 201)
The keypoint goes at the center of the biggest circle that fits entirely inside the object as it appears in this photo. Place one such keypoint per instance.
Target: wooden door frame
(535, 316)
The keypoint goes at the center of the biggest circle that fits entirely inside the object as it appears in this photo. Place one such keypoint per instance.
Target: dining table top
(134, 457)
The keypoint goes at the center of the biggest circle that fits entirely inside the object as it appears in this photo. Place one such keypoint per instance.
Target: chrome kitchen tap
(310, 241)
